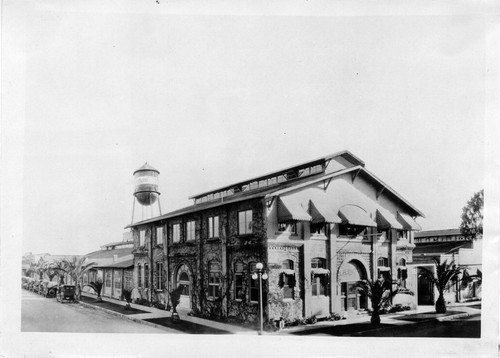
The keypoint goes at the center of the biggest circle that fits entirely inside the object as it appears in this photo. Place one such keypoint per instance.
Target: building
(113, 267)
(318, 228)
(452, 246)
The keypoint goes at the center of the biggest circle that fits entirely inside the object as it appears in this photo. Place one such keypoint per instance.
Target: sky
(213, 99)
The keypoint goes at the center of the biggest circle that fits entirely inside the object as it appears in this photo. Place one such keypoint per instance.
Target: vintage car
(49, 289)
(66, 293)
(36, 286)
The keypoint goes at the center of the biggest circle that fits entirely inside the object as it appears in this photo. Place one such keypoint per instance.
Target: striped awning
(408, 222)
(322, 212)
(290, 208)
(355, 215)
(386, 219)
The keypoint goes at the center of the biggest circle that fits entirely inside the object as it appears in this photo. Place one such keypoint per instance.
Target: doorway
(182, 279)
(425, 289)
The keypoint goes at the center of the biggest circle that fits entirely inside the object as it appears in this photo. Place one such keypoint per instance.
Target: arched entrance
(182, 278)
(352, 298)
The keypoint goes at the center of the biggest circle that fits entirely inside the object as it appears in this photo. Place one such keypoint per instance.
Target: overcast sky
(209, 100)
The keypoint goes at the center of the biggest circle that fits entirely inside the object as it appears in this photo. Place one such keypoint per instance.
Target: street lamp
(259, 274)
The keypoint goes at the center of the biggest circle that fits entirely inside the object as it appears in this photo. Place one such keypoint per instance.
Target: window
(239, 293)
(146, 276)
(245, 222)
(118, 280)
(383, 268)
(108, 278)
(254, 284)
(190, 231)
(320, 277)
(213, 226)
(403, 234)
(142, 237)
(288, 227)
(319, 228)
(351, 230)
(159, 275)
(139, 276)
(159, 235)
(214, 280)
(176, 232)
(287, 279)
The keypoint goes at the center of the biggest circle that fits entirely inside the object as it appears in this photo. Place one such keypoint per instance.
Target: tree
(380, 293)
(97, 287)
(446, 273)
(76, 267)
(472, 216)
(59, 267)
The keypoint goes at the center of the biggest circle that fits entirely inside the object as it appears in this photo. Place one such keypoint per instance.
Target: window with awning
(290, 208)
(322, 212)
(408, 222)
(355, 215)
(386, 219)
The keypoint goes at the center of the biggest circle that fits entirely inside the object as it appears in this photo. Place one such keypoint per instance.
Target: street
(40, 314)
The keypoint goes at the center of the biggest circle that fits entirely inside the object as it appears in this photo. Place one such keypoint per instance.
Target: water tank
(146, 184)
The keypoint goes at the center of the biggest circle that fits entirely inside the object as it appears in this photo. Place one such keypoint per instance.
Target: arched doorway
(352, 298)
(182, 278)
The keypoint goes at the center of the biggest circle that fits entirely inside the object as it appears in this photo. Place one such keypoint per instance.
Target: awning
(408, 222)
(386, 219)
(290, 208)
(384, 268)
(322, 212)
(355, 215)
(288, 272)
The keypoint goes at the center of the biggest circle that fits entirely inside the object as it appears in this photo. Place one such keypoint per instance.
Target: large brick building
(318, 228)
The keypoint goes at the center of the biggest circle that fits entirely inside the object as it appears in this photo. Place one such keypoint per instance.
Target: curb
(129, 317)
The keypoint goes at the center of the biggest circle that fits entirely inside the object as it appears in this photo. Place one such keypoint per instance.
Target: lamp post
(261, 275)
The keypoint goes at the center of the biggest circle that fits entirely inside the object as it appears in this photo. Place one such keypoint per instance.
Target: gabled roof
(286, 186)
(293, 172)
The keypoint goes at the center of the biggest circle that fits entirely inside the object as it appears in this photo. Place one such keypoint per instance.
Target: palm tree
(76, 267)
(380, 293)
(59, 267)
(40, 268)
(446, 273)
(97, 287)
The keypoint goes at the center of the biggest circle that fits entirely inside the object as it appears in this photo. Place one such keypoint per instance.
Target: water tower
(146, 188)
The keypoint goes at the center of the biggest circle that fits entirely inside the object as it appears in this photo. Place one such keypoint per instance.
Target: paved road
(40, 314)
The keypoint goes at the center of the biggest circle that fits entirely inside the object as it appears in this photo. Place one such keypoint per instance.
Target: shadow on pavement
(111, 306)
(341, 330)
(419, 317)
(186, 327)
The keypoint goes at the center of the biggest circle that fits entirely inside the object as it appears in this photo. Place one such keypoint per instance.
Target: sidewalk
(349, 327)
(158, 318)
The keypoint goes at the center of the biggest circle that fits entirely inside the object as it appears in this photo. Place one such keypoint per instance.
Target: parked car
(36, 286)
(49, 289)
(66, 293)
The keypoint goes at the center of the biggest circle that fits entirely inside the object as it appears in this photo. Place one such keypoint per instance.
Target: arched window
(402, 262)
(239, 293)
(214, 280)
